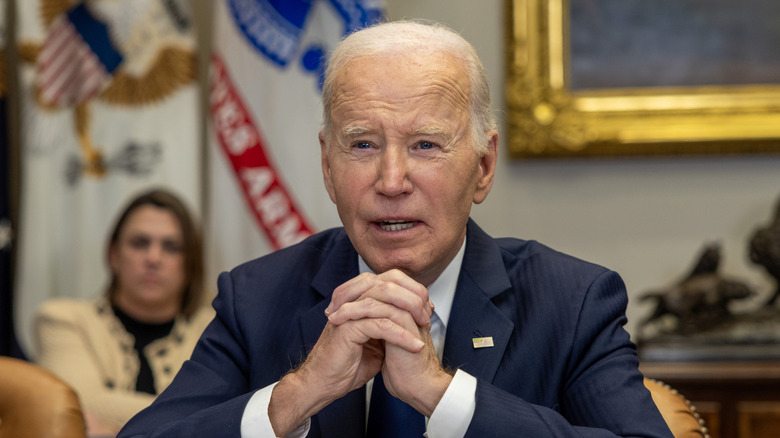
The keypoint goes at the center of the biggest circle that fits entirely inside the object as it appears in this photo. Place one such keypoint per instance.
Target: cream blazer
(85, 344)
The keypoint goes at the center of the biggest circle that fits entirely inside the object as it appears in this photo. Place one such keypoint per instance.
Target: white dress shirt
(452, 415)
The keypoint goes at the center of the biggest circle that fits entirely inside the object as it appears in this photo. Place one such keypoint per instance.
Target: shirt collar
(442, 290)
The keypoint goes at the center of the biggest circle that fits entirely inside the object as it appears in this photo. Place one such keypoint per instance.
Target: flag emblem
(76, 60)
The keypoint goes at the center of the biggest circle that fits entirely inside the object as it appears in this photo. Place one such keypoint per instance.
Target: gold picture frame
(546, 119)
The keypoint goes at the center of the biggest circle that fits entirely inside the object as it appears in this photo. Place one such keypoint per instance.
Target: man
(534, 339)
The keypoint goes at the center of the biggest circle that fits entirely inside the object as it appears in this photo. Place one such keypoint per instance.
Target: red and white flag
(76, 60)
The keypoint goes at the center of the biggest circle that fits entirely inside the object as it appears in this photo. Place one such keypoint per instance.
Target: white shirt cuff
(453, 414)
(255, 422)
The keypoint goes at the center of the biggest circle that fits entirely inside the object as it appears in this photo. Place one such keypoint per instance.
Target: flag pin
(482, 342)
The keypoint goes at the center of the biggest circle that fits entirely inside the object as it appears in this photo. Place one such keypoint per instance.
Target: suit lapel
(473, 314)
(340, 265)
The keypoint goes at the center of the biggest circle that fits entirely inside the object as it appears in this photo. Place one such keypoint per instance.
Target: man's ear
(487, 166)
(326, 174)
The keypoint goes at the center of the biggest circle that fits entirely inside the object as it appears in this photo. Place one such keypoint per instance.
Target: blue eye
(363, 145)
(426, 145)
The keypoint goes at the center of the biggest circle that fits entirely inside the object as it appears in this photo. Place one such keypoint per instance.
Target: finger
(403, 298)
(401, 279)
(393, 286)
(370, 308)
(405, 335)
(384, 316)
(387, 330)
(350, 291)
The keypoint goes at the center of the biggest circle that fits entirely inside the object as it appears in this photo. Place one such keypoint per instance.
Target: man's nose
(393, 172)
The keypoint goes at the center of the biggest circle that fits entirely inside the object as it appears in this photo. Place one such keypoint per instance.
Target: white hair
(405, 37)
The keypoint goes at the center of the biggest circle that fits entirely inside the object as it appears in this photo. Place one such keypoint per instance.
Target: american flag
(76, 60)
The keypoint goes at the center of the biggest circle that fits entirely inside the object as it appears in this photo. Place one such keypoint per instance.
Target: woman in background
(120, 351)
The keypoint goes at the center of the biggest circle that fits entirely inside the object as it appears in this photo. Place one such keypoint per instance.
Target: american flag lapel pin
(483, 342)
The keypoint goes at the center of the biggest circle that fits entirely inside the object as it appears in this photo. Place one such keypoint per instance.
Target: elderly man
(410, 308)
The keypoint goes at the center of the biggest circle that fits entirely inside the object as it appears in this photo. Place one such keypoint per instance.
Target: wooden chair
(679, 413)
(35, 403)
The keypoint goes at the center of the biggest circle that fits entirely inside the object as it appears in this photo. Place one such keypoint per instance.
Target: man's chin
(383, 263)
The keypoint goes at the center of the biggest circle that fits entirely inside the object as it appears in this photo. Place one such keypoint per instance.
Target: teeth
(395, 225)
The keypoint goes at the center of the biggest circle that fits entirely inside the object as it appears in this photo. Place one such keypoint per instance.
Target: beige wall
(645, 218)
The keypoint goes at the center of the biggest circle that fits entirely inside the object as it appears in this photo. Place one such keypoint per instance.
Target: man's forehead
(419, 65)
(408, 93)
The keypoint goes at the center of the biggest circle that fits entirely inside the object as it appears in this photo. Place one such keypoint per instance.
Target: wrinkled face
(399, 161)
(148, 258)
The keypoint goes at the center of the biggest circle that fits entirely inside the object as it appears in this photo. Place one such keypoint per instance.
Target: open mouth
(396, 225)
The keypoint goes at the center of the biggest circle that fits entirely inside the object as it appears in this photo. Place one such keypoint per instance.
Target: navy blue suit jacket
(562, 364)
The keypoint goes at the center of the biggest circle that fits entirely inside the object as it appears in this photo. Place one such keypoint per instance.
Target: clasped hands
(375, 323)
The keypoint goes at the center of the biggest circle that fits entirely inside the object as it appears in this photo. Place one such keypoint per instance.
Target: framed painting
(591, 78)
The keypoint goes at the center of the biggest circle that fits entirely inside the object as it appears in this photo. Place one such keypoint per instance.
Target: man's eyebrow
(433, 130)
(354, 130)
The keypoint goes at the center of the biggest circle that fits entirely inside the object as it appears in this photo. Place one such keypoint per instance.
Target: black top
(144, 334)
